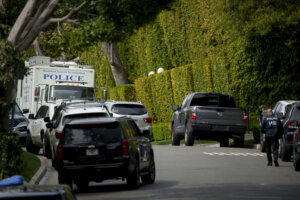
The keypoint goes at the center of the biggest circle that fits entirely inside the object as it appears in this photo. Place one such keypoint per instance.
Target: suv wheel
(188, 137)
(296, 159)
(46, 147)
(30, 147)
(133, 179)
(65, 180)
(175, 138)
(262, 143)
(224, 141)
(82, 184)
(150, 177)
(285, 155)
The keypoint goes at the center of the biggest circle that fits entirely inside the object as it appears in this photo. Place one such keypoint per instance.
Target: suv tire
(65, 180)
(188, 137)
(82, 184)
(239, 142)
(46, 147)
(175, 138)
(150, 177)
(30, 147)
(285, 155)
(133, 179)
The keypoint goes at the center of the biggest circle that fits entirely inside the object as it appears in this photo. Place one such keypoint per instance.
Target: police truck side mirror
(31, 116)
(49, 125)
(47, 119)
(25, 111)
(175, 107)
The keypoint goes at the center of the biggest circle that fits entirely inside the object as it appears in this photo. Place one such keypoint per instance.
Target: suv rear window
(91, 134)
(129, 109)
(296, 113)
(213, 100)
(69, 118)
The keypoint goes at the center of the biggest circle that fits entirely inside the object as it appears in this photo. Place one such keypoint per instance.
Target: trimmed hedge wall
(122, 93)
(161, 131)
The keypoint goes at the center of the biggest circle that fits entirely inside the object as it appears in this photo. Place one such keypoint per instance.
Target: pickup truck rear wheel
(224, 141)
(175, 138)
(188, 137)
(30, 147)
(262, 143)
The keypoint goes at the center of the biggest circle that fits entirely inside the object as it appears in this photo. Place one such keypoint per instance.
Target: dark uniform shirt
(272, 127)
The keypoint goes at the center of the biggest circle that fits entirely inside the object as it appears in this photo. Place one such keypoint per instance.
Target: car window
(83, 134)
(17, 110)
(134, 128)
(69, 118)
(296, 113)
(278, 109)
(40, 112)
(185, 101)
(129, 109)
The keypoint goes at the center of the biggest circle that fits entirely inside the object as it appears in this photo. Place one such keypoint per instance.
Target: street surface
(202, 172)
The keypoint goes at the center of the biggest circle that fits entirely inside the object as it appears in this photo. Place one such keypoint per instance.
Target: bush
(161, 131)
(10, 155)
(122, 93)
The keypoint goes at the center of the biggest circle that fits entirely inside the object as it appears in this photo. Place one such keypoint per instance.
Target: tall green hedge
(122, 93)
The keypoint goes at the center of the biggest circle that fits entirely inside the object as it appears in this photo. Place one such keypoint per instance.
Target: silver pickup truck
(209, 116)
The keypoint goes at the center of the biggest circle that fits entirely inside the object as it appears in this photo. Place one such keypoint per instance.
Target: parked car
(36, 130)
(208, 116)
(296, 149)
(290, 125)
(98, 149)
(134, 110)
(279, 110)
(19, 125)
(65, 113)
(15, 188)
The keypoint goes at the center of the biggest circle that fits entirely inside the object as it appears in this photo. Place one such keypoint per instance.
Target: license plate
(92, 152)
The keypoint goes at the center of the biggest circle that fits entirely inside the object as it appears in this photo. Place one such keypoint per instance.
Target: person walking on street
(273, 130)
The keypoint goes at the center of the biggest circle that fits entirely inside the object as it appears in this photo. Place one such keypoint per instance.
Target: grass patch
(168, 141)
(31, 164)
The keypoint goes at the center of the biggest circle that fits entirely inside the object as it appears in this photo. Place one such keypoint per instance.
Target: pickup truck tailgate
(220, 116)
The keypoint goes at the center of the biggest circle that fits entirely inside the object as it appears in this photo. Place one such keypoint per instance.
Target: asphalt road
(203, 173)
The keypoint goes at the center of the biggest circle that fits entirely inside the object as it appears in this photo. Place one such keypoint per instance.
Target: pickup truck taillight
(193, 114)
(58, 134)
(148, 120)
(245, 118)
(125, 147)
(59, 151)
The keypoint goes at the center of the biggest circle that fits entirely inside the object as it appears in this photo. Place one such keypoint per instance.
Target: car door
(183, 113)
(142, 145)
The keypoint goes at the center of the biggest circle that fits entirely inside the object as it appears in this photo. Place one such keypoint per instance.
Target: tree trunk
(112, 53)
(36, 47)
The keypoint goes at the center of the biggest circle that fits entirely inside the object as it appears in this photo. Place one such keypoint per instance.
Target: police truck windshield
(71, 92)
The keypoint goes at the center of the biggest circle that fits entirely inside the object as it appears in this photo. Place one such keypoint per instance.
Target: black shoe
(269, 164)
(276, 163)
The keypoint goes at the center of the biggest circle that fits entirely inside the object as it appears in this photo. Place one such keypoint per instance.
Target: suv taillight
(289, 124)
(298, 123)
(193, 114)
(245, 118)
(148, 120)
(58, 134)
(299, 135)
(59, 151)
(125, 147)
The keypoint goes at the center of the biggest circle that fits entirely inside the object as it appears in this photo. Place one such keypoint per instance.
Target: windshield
(17, 110)
(71, 92)
(129, 109)
(69, 118)
(106, 133)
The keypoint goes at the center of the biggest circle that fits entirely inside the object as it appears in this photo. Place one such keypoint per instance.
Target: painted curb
(40, 172)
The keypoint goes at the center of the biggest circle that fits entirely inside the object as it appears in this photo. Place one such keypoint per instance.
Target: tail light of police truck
(193, 114)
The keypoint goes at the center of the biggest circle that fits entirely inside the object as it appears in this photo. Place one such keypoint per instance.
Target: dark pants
(272, 146)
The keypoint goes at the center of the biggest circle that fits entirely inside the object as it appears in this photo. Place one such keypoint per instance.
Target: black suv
(290, 124)
(296, 150)
(97, 149)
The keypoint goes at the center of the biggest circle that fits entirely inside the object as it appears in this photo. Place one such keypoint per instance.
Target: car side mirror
(31, 116)
(175, 107)
(49, 125)
(25, 111)
(280, 116)
(47, 119)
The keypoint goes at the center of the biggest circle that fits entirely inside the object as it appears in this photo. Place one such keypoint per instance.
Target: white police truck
(49, 81)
